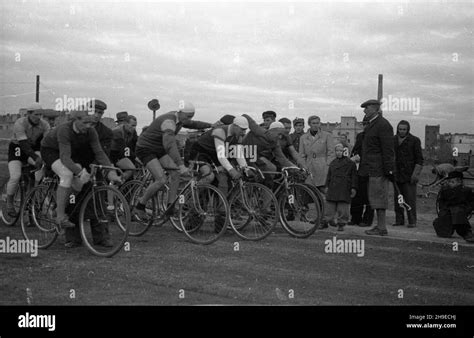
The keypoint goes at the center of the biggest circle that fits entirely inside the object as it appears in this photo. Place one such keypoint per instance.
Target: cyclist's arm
(280, 157)
(240, 157)
(219, 137)
(196, 124)
(99, 153)
(296, 156)
(168, 128)
(254, 127)
(65, 151)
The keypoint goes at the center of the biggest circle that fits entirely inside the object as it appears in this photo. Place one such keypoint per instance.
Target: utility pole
(380, 88)
(37, 88)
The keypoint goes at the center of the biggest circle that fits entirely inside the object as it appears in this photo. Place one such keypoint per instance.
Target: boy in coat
(341, 185)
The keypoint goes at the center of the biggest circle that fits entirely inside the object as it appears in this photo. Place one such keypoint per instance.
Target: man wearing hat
(361, 212)
(67, 150)
(97, 109)
(377, 161)
(157, 149)
(298, 125)
(317, 149)
(24, 148)
(456, 203)
(268, 117)
(123, 145)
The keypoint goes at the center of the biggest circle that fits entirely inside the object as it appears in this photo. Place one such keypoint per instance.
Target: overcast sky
(299, 59)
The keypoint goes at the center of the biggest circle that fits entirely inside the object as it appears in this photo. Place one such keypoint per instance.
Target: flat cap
(34, 106)
(122, 116)
(284, 120)
(97, 105)
(298, 120)
(269, 113)
(370, 103)
(227, 119)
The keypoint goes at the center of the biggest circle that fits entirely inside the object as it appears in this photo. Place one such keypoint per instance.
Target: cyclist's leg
(127, 166)
(14, 168)
(158, 173)
(63, 192)
(167, 162)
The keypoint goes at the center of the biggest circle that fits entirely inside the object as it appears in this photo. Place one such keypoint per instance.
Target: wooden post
(37, 88)
(380, 88)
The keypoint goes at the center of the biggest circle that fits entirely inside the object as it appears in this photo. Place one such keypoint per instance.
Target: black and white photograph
(315, 157)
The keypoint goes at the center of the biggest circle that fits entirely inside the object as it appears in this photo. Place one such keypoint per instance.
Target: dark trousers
(408, 191)
(99, 230)
(361, 212)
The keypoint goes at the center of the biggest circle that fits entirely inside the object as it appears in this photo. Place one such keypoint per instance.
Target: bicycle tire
(139, 227)
(99, 209)
(300, 226)
(254, 228)
(320, 197)
(38, 209)
(18, 202)
(191, 220)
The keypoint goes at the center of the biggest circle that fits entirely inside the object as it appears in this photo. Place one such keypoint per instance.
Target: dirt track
(279, 270)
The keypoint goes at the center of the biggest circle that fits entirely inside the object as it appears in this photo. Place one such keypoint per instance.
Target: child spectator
(456, 203)
(341, 185)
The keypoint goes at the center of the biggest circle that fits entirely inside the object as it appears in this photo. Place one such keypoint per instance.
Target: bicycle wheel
(299, 210)
(320, 197)
(104, 215)
(10, 220)
(203, 213)
(254, 212)
(138, 226)
(38, 219)
(162, 198)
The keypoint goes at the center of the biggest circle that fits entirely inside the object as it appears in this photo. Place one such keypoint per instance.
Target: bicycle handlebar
(105, 167)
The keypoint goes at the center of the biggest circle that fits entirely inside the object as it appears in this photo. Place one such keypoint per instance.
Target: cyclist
(123, 145)
(216, 146)
(24, 148)
(157, 149)
(268, 147)
(287, 146)
(66, 150)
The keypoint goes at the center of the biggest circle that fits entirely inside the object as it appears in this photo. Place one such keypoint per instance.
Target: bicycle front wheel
(139, 226)
(38, 217)
(254, 212)
(300, 212)
(203, 213)
(104, 221)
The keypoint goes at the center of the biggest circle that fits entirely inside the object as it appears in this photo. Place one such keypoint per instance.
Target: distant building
(348, 126)
(457, 148)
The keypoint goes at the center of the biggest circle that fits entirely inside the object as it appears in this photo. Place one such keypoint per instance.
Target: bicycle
(196, 203)
(254, 213)
(27, 180)
(299, 207)
(98, 203)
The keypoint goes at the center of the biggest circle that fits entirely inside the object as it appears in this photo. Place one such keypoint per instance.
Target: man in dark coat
(341, 185)
(361, 212)
(408, 165)
(456, 203)
(298, 125)
(377, 162)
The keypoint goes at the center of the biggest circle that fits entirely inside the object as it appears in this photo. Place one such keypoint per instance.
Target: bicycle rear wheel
(203, 213)
(254, 213)
(320, 197)
(38, 219)
(104, 216)
(10, 220)
(300, 213)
